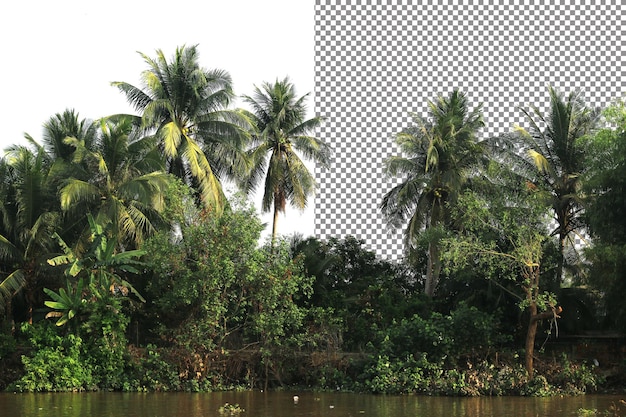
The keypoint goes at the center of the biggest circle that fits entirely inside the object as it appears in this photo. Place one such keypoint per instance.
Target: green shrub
(107, 352)
(464, 331)
(576, 378)
(61, 360)
(152, 373)
(474, 330)
(537, 387)
(56, 364)
(383, 375)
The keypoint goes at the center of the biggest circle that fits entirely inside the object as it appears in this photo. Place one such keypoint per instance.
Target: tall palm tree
(442, 153)
(281, 132)
(187, 106)
(127, 183)
(28, 218)
(550, 156)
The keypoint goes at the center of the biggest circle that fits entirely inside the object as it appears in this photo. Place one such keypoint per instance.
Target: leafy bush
(215, 289)
(365, 292)
(57, 363)
(465, 330)
(63, 361)
(474, 330)
(576, 378)
(537, 387)
(198, 282)
(411, 375)
(150, 372)
(107, 352)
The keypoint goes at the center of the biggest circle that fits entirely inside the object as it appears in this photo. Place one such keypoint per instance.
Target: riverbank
(154, 369)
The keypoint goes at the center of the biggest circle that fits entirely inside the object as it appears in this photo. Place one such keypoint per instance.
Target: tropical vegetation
(186, 108)
(442, 151)
(125, 265)
(550, 156)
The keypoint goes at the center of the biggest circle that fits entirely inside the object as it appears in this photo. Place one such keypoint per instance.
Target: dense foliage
(604, 210)
(124, 265)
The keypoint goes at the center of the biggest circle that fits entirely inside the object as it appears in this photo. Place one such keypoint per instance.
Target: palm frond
(75, 191)
(8, 250)
(313, 149)
(540, 161)
(136, 97)
(210, 187)
(10, 286)
(258, 158)
(300, 182)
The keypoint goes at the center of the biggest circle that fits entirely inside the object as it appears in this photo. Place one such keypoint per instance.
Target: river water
(281, 404)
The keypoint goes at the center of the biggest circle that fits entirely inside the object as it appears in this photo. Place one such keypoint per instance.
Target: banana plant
(66, 304)
(99, 266)
(100, 262)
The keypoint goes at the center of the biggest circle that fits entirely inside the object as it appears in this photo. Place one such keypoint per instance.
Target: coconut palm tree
(127, 184)
(28, 218)
(281, 132)
(187, 107)
(30, 212)
(441, 155)
(550, 156)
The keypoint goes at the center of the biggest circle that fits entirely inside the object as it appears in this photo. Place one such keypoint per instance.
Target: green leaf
(75, 269)
(60, 260)
(55, 304)
(53, 295)
(64, 319)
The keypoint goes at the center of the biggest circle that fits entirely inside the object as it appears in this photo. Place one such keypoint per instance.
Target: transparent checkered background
(377, 61)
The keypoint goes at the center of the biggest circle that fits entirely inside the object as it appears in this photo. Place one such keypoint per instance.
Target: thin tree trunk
(561, 260)
(530, 339)
(563, 218)
(433, 269)
(535, 318)
(532, 293)
(276, 211)
(531, 277)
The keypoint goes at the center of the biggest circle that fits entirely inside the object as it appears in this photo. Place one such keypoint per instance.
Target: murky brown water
(281, 404)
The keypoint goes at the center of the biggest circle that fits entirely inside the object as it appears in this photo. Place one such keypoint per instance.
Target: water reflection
(282, 404)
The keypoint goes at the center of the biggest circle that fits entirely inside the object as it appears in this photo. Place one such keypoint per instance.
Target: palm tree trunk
(561, 259)
(433, 269)
(276, 211)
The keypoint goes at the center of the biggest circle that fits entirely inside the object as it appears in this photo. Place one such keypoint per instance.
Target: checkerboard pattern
(378, 60)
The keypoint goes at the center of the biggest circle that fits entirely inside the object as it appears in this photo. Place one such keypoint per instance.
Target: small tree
(549, 156)
(214, 289)
(506, 239)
